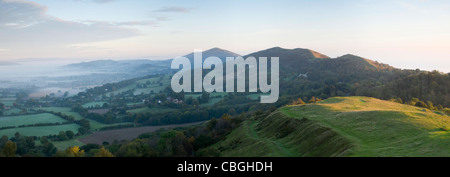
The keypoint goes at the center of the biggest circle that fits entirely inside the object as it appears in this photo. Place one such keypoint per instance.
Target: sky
(407, 34)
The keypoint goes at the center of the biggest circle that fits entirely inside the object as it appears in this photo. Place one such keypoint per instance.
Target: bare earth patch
(126, 134)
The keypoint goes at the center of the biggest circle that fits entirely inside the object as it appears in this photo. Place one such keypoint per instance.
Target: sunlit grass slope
(342, 126)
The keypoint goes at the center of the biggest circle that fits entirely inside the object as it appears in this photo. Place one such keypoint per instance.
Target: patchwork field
(29, 119)
(67, 111)
(8, 101)
(126, 134)
(61, 145)
(64, 110)
(12, 111)
(40, 131)
(154, 85)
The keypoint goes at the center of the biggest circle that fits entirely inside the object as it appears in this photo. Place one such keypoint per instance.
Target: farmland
(126, 134)
(29, 119)
(146, 86)
(40, 131)
(130, 107)
(64, 110)
(95, 125)
(8, 101)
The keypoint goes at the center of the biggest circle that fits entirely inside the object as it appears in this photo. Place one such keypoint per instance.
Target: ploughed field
(126, 134)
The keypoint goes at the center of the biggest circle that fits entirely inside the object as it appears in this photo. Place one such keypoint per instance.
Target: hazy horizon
(404, 34)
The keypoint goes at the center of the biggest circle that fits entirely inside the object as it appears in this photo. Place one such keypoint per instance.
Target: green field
(61, 145)
(214, 97)
(8, 101)
(148, 90)
(29, 119)
(343, 126)
(12, 111)
(40, 131)
(155, 87)
(255, 96)
(63, 110)
(67, 111)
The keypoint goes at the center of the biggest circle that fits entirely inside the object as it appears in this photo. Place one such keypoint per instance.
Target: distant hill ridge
(289, 59)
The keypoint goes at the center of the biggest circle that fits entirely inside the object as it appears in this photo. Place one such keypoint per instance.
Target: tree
(103, 153)
(430, 105)
(226, 117)
(204, 98)
(62, 136)
(3, 140)
(414, 101)
(10, 149)
(421, 104)
(71, 152)
(189, 100)
(447, 110)
(195, 103)
(211, 124)
(66, 94)
(48, 149)
(69, 134)
(232, 112)
(299, 101)
(399, 100)
(44, 140)
(203, 141)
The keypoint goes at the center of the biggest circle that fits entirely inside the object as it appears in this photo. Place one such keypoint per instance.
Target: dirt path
(125, 134)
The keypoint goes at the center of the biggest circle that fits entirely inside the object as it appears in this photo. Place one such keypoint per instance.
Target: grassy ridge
(278, 135)
(381, 128)
(342, 126)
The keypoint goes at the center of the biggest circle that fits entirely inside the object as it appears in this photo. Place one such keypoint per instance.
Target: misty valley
(127, 108)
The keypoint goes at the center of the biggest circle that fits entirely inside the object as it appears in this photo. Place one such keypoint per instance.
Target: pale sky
(403, 33)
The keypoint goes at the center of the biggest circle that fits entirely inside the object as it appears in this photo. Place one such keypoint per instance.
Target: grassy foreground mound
(342, 126)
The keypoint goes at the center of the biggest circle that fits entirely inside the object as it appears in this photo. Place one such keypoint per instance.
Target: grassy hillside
(342, 126)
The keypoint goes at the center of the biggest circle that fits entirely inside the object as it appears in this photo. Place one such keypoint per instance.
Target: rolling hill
(125, 66)
(152, 66)
(305, 60)
(342, 126)
(305, 73)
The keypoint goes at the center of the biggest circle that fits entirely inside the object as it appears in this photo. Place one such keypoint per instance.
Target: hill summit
(216, 52)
